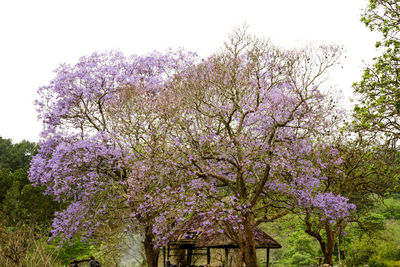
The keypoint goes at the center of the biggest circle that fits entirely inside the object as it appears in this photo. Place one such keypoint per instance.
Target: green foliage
(19, 200)
(373, 222)
(378, 115)
(23, 202)
(11, 202)
(391, 209)
(380, 247)
(376, 262)
(26, 213)
(6, 183)
(38, 208)
(376, 243)
(390, 249)
(301, 250)
(76, 249)
(5, 148)
(16, 156)
(393, 263)
(298, 248)
(12, 198)
(359, 251)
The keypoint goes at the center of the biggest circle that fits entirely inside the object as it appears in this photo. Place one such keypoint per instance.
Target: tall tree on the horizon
(16, 156)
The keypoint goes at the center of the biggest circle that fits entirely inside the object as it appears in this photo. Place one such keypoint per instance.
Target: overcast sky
(37, 35)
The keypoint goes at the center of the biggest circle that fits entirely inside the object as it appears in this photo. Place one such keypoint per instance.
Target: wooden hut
(199, 243)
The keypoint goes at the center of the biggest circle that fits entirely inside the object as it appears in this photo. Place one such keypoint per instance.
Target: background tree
(363, 176)
(378, 110)
(26, 213)
(377, 113)
(20, 201)
(16, 156)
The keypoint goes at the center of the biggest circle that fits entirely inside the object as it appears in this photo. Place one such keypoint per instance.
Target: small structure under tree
(190, 244)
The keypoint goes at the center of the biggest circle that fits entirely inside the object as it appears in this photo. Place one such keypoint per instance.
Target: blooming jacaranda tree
(104, 147)
(249, 124)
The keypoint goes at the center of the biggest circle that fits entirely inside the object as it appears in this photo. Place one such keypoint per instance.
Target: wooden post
(168, 248)
(208, 256)
(267, 256)
(338, 248)
(165, 263)
(344, 247)
(226, 257)
(189, 257)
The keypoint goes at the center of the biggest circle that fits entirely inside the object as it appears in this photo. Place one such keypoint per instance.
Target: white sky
(37, 35)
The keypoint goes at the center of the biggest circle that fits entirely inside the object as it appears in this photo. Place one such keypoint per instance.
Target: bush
(76, 249)
(21, 246)
(40, 254)
(392, 209)
(376, 262)
(393, 263)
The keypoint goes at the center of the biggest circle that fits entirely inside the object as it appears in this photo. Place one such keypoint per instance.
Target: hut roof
(214, 239)
(220, 240)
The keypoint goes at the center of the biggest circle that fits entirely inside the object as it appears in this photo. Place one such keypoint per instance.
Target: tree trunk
(151, 252)
(238, 262)
(327, 247)
(247, 244)
(330, 244)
